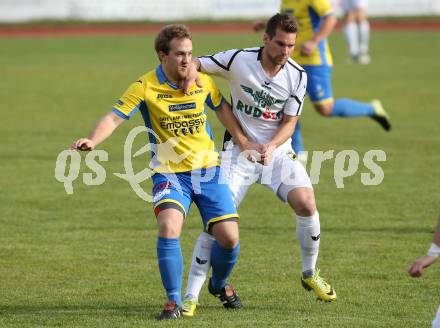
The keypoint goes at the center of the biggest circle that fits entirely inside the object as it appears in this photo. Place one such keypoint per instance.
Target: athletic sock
(352, 38)
(200, 264)
(308, 234)
(345, 107)
(169, 257)
(222, 261)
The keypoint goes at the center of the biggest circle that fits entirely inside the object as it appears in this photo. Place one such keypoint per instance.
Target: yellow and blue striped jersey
(180, 136)
(309, 14)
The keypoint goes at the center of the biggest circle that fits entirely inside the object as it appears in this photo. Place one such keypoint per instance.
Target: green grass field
(89, 259)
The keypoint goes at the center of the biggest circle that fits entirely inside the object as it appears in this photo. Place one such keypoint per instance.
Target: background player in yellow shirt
(169, 113)
(316, 21)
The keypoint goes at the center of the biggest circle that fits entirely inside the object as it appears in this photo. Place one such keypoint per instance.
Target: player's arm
(227, 118)
(325, 29)
(102, 131)
(191, 77)
(416, 268)
(124, 108)
(284, 132)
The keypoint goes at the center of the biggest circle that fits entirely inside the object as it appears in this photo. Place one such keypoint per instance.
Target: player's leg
(298, 145)
(297, 142)
(292, 185)
(171, 205)
(238, 174)
(220, 217)
(360, 12)
(320, 91)
(351, 33)
(350, 29)
(436, 321)
(198, 272)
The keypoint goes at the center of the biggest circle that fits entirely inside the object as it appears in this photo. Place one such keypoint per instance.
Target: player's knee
(307, 208)
(169, 229)
(324, 109)
(305, 205)
(226, 234)
(229, 243)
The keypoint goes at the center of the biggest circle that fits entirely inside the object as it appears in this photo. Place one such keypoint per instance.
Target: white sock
(352, 38)
(200, 264)
(364, 37)
(308, 233)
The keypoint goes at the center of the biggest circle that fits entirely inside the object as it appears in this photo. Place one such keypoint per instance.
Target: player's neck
(173, 78)
(269, 67)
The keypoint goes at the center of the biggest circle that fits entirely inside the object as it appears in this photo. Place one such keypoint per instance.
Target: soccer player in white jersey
(356, 29)
(267, 91)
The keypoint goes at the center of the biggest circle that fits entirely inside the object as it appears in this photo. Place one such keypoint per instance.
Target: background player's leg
(297, 142)
(351, 34)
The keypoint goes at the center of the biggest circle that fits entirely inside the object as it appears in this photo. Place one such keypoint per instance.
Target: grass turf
(88, 259)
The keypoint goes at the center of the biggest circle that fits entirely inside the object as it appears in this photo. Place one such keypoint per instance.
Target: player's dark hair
(169, 32)
(284, 22)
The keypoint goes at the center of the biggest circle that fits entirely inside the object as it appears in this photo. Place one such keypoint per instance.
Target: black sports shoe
(170, 311)
(380, 115)
(227, 296)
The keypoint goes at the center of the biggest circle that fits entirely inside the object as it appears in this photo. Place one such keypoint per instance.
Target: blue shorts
(207, 188)
(319, 82)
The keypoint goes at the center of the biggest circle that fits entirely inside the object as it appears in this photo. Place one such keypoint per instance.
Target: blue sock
(297, 142)
(169, 257)
(351, 108)
(222, 261)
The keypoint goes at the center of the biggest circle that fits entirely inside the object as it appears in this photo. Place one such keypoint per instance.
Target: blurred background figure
(416, 268)
(356, 29)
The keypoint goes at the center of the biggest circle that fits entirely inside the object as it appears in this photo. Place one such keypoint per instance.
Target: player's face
(179, 57)
(280, 47)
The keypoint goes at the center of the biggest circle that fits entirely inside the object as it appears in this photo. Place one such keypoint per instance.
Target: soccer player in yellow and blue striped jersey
(316, 21)
(184, 161)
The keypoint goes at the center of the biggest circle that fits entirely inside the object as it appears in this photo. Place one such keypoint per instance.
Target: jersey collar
(162, 77)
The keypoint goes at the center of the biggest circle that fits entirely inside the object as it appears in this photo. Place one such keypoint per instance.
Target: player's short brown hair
(169, 32)
(284, 22)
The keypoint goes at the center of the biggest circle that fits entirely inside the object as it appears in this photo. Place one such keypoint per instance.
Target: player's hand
(259, 25)
(308, 47)
(252, 150)
(192, 76)
(267, 154)
(416, 268)
(249, 145)
(83, 144)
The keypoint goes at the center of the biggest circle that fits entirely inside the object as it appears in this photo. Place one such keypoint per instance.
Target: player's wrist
(434, 250)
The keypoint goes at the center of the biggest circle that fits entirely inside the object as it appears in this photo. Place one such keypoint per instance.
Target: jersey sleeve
(131, 100)
(295, 102)
(219, 63)
(322, 7)
(215, 99)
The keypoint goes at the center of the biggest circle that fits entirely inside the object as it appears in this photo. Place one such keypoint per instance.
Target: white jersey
(258, 101)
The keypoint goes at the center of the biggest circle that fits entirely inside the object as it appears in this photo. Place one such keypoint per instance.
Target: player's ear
(162, 56)
(266, 38)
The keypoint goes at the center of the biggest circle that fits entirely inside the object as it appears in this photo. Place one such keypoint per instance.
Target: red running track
(126, 29)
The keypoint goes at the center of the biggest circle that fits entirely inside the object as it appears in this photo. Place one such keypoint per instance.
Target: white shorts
(284, 174)
(349, 5)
